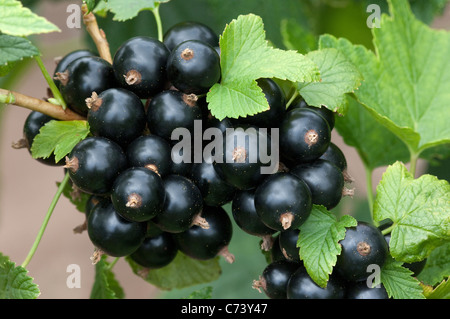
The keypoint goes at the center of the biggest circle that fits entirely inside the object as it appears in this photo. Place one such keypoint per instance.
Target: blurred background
(27, 187)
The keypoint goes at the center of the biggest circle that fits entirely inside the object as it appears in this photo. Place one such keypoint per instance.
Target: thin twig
(97, 35)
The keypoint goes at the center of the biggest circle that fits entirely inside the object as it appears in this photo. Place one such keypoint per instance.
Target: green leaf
(125, 10)
(76, 197)
(419, 209)
(204, 293)
(296, 37)
(399, 282)
(58, 137)
(15, 282)
(105, 285)
(91, 4)
(407, 82)
(21, 21)
(339, 76)
(441, 291)
(437, 266)
(14, 49)
(182, 272)
(319, 242)
(246, 57)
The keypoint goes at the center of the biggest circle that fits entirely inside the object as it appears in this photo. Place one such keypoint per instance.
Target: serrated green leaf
(58, 137)
(125, 10)
(437, 266)
(21, 21)
(319, 242)
(441, 291)
(105, 285)
(296, 37)
(204, 293)
(14, 49)
(15, 282)
(246, 57)
(419, 209)
(339, 77)
(180, 273)
(399, 282)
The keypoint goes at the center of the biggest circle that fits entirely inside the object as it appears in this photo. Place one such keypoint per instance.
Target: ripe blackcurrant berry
(92, 201)
(275, 252)
(283, 201)
(304, 135)
(244, 214)
(169, 110)
(82, 77)
(288, 244)
(95, 163)
(113, 234)
(156, 251)
(138, 194)
(361, 290)
(182, 205)
(301, 286)
(193, 67)
(240, 164)
(189, 30)
(324, 179)
(152, 152)
(62, 64)
(33, 123)
(324, 111)
(140, 66)
(117, 114)
(275, 278)
(182, 168)
(277, 105)
(208, 242)
(363, 245)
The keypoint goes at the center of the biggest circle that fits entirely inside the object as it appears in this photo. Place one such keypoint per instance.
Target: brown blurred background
(27, 187)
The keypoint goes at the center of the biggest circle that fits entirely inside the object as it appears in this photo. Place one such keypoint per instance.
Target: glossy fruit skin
(360, 290)
(86, 75)
(275, 252)
(182, 204)
(138, 194)
(152, 152)
(189, 30)
(324, 179)
(326, 113)
(67, 59)
(362, 246)
(275, 278)
(215, 191)
(113, 234)
(169, 110)
(33, 123)
(206, 243)
(140, 66)
(304, 135)
(193, 67)
(335, 155)
(182, 168)
(301, 286)
(240, 163)
(277, 103)
(117, 114)
(95, 163)
(92, 201)
(156, 251)
(282, 196)
(288, 244)
(244, 214)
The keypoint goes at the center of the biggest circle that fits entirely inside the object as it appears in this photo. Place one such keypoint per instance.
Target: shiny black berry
(208, 241)
(182, 205)
(62, 64)
(189, 30)
(288, 244)
(152, 152)
(335, 155)
(113, 234)
(363, 246)
(193, 67)
(283, 201)
(323, 111)
(361, 290)
(138, 194)
(304, 135)
(82, 77)
(117, 114)
(324, 179)
(156, 251)
(140, 65)
(95, 163)
(301, 286)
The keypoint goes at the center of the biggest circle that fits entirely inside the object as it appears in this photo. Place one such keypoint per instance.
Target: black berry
(189, 30)
(156, 251)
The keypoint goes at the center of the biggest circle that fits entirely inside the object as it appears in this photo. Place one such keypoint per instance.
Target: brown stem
(97, 35)
(35, 104)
